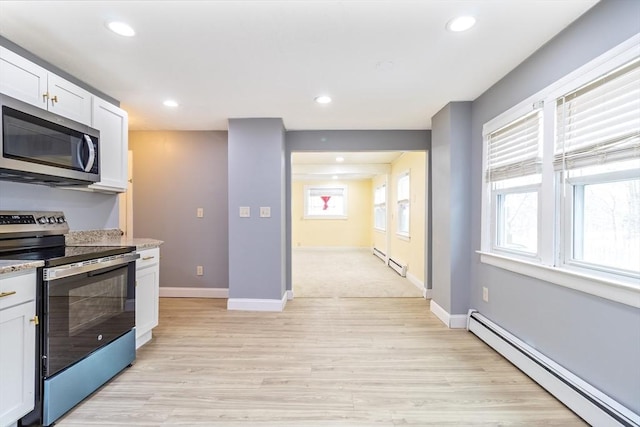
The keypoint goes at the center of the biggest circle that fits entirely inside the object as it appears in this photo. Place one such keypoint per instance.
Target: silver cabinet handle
(147, 258)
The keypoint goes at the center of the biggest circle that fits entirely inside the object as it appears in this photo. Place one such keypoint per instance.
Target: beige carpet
(346, 273)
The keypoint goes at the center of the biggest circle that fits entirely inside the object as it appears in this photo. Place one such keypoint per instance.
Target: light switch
(265, 212)
(245, 211)
(200, 212)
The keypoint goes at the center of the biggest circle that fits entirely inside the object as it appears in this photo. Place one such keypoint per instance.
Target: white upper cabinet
(28, 82)
(113, 124)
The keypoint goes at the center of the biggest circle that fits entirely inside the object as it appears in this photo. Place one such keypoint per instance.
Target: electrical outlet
(199, 270)
(245, 212)
(200, 212)
(485, 294)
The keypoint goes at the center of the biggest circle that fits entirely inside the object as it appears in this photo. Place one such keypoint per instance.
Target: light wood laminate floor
(322, 362)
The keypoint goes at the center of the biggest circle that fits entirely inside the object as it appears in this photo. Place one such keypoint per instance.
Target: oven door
(85, 311)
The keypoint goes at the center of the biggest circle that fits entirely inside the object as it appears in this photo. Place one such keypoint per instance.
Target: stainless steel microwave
(41, 147)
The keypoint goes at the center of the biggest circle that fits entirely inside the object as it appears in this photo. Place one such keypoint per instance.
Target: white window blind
(599, 123)
(514, 150)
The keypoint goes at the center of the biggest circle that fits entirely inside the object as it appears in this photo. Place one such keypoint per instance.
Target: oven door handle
(60, 272)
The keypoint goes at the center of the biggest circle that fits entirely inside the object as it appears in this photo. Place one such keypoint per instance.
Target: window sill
(380, 230)
(617, 291)
(403, 236)
(324, 217)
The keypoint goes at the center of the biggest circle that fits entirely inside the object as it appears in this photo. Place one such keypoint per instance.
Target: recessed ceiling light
(121, 28)
(339, 159)
(461, 23)
(335, 177)
(170, 103)
(322, 99)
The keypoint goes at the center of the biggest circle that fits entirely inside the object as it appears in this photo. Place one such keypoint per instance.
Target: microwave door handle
(92, 153)
(79, 155)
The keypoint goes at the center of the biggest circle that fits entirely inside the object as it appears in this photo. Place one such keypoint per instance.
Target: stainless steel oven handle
(55, 273)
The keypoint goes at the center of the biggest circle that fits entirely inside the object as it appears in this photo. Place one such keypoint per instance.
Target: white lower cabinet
(147, 294)
(17, 345)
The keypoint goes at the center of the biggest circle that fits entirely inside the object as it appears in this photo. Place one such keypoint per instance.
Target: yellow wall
(355, 231)
(379, 238)
(411, 250)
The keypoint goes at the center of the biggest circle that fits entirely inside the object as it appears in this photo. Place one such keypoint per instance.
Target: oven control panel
(34, 222)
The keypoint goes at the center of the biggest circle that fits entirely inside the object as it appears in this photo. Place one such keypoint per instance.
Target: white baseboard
(452, 321)
(143, 339)
(252, 304)
(416, 282)
(290, 295)
(166, 292)
(427, 294)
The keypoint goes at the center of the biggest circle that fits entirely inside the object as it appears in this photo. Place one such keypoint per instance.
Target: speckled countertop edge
(111, 237)
(12, 266)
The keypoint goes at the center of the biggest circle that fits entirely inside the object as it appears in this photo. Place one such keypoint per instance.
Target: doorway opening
(354, 215)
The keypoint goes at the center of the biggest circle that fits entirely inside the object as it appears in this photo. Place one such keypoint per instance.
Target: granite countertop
(112, 237)
(10, 266)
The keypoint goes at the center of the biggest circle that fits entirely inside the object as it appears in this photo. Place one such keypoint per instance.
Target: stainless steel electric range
(85, 301)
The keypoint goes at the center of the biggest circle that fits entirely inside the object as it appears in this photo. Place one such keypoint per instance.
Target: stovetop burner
(38, 235)
(61, 255)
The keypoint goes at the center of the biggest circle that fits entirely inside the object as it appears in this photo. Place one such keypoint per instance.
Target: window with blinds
(514, 150)
(599, 123)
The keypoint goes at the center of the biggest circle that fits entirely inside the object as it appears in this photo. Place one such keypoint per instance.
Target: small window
(404, 185)
(325, 202)
(513, 171)
(380, 208)
(606, 224)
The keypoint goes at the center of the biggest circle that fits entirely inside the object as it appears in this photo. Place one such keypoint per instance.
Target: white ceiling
(387, 64)
(355, 165)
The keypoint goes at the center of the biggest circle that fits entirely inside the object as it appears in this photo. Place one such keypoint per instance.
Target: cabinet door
(147, 294)
(69, 100)
(112, 122)
(22, 79)
(17, 362)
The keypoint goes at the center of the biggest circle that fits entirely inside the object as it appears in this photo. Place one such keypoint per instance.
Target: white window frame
(404, 202)
(308, 188)
(551, 265)
(380, 205)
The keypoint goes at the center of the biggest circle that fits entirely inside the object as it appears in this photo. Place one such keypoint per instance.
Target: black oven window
(94, 303)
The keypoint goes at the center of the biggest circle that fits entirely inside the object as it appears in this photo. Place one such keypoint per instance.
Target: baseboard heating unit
(586, 401)
(377, 252)
(399, 268)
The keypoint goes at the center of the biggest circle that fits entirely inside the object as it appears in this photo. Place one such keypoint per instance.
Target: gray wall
(451, 200)
(354, 140)
(597, 339)
(256, 178)
(174, 173)
(84, 210)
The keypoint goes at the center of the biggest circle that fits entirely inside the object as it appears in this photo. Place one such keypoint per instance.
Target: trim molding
(253, 304)
(418, 284)
(455, 321)
(623, 293)
(428, 293)
(289, 295)
(175, 292)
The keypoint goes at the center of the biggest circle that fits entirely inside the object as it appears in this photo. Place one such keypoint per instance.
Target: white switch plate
(265, 212)
(245, 211)
(199, 270)
(485, 294)
(200, 212)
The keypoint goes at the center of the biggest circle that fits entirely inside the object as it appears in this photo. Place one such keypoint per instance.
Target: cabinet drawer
(148, 257)
(18, 289)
